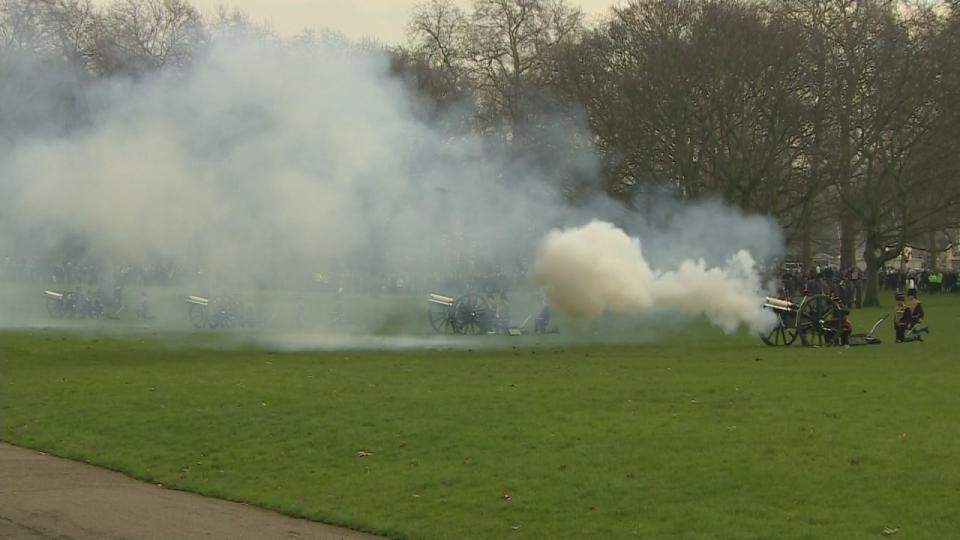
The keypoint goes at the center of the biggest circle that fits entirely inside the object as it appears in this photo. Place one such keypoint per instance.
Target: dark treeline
(840, 119)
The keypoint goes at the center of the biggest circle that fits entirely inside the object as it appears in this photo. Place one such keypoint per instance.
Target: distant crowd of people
(848, 284)
(70, 271)
(927, 281)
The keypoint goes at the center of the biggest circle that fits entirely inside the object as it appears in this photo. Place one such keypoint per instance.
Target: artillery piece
(470, 314)
(223, 312)
(73, 305)
(817, 320)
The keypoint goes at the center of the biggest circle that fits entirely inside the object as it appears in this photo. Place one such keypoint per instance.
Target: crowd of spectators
(927, 281)
(82, 271)
(848, 284)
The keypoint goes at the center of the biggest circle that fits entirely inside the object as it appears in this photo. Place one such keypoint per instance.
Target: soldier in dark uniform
(542, 320)
(143, 310)
(902, 318)
(846, 327)
(918, 325)
(906, 319)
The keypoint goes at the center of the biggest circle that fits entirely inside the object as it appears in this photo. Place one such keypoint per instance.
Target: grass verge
(700, 435)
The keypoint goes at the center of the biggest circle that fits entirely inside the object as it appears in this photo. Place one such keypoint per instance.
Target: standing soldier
(143, 311)
(338, 313)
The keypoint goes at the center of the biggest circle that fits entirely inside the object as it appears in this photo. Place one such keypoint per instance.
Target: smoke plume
(265, 164)
(598, 268)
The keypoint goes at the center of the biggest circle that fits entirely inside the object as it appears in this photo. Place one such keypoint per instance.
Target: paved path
(43, 498)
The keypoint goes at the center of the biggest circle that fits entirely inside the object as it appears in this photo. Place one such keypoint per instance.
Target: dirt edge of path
(48, 497)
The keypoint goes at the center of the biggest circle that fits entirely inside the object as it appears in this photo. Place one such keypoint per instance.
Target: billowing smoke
(263, 159)
(268, 164)
(598, 268)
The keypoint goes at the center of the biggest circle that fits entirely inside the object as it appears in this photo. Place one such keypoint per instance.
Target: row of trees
(840, 119)
(126, 36)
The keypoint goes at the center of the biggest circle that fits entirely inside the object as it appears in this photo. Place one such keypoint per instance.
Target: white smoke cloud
(598, 268)
(263, 156)
(270, 159)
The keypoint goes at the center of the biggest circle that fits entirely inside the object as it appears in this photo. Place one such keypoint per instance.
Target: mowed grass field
(699, 435)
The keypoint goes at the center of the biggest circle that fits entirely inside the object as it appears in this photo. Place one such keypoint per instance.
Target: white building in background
(919, 259)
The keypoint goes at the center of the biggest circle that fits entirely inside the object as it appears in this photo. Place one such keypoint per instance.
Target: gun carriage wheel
(197, 309)
(471, 315)
(784, 333)
(819, 321)
(55, 304)
(198, 315)
(440, 313)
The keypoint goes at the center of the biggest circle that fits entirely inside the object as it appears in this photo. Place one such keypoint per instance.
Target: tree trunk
(871, 297)
(848, 240)
(933, 253)
(806, 242)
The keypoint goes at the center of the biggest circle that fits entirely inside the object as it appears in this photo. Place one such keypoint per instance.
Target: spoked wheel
(819, 321)
(471, 315)
(232, 313)
(441, 318)
(783, 334)
(229, 320)
(71, 304)
(198, 315)
(55, 308)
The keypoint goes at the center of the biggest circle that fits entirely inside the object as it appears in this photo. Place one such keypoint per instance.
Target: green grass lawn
(698, 435)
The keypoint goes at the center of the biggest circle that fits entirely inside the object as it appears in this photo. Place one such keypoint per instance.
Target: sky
(382, 20)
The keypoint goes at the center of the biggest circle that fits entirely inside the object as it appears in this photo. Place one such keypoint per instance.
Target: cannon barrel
(440, 299)
(198, 300)
(53, 295)
(777, 303)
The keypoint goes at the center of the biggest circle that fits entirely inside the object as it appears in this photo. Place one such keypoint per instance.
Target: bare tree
(700, 98)
(437, 31)
(44, 47)
(878, 107)
(509, 48)
(435, 59)
(141, 35)
(234, 23)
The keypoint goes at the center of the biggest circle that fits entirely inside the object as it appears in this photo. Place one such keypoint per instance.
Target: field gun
(817, 320)
(73, 305)
(222, 312)
(469, 314)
